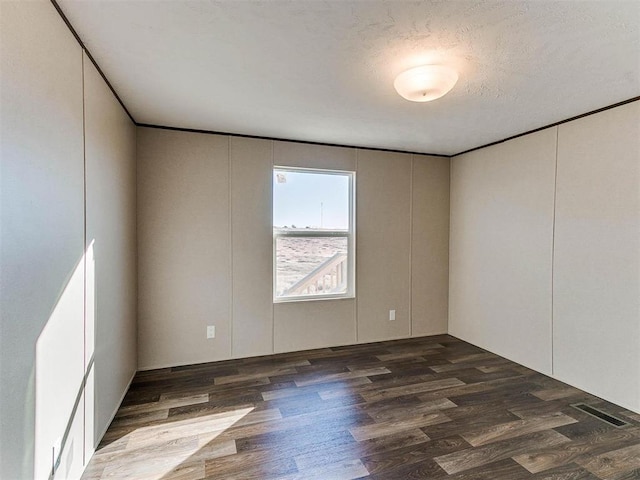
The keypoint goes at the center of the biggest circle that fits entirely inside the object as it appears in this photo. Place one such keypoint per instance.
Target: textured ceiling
(323, 70)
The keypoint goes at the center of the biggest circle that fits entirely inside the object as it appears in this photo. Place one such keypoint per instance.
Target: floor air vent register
(599, 414)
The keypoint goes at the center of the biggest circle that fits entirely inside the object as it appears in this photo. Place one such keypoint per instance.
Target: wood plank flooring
(432, 407)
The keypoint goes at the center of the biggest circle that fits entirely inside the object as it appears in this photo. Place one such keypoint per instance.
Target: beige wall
(501, 248)
(178, 204)
(252, 327)
(596, 281)
(68, 276)
(509, 264)
(42, 187)
(304, 325)
(110, 146)
(184, 256)
(429, 245)
(383, 203)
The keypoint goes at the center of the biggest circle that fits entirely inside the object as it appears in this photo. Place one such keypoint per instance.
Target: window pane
(312, 225)
(311, 266)
(310, 200)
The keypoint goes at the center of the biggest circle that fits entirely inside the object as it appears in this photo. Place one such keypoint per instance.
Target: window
(313, 240)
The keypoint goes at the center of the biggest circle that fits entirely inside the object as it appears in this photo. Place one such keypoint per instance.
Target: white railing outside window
(315, 257)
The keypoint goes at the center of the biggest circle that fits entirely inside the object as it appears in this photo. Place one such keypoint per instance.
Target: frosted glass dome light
(425, 83)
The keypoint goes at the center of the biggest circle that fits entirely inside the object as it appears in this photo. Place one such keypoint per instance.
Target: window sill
(313, 298)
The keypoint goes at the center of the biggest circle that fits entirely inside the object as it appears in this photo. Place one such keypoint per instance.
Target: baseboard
(555, 377)
(113, 415)
(430, 334)
(599, 395)
(162, 366)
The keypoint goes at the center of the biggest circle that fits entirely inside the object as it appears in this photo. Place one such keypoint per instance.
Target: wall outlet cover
(211, 331)
(392, 315)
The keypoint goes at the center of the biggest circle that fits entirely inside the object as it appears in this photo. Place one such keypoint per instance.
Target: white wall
(42, 289)
(565, 300)
(202, 195)
(501, 248)
(596, 281)
(42, 237)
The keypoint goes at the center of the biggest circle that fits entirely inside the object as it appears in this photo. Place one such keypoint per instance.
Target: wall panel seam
(449, 245)
(553, 249)
(273, 266)
(450, 161)
(84, 267)
(136, 260)
(230, 223)
(411, 247)
(355, 246)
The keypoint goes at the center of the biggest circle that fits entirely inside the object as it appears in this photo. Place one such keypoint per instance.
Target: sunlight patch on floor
(159, 452)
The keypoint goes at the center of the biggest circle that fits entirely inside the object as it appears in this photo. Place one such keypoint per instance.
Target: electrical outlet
(392, 315)
(211, 331)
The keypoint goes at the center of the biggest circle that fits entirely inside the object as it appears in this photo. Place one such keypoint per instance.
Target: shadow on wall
(64, 378)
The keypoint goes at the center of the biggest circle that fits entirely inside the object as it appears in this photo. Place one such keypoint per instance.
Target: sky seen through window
(310, 200)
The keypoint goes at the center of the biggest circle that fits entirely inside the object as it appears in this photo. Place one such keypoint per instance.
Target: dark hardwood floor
(432, 407)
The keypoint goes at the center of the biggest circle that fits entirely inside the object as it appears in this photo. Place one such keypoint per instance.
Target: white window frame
(349, 234)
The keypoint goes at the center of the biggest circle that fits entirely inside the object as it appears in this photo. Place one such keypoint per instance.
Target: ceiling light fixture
(425, 83)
